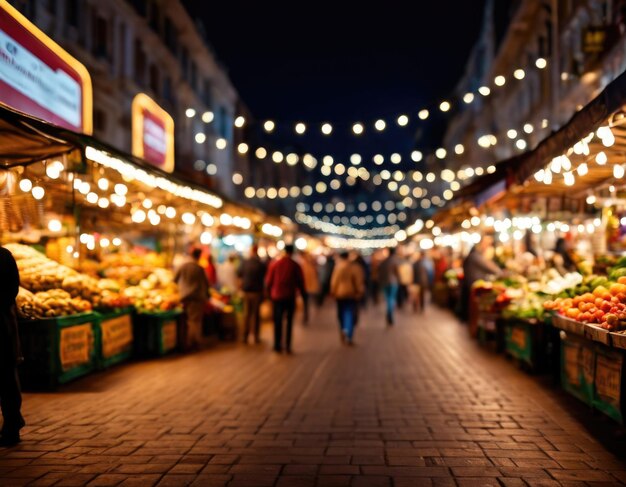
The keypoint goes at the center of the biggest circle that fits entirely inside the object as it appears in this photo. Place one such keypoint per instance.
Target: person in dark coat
(252, 274)
(476, 266)
(10, 352)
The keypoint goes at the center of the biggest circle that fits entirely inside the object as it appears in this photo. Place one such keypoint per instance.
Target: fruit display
(603, 305)
(49, 304)
(153, 300)
(40, 275)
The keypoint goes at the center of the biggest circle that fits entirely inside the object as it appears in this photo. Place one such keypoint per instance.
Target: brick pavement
(419, 404)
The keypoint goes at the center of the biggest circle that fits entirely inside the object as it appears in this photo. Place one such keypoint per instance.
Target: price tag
(75, 346)
(169, 335)
(609, 377)
(117, 336)
(572, 363)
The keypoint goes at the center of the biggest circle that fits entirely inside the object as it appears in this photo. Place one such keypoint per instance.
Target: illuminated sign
(39, 78)
(153, 133)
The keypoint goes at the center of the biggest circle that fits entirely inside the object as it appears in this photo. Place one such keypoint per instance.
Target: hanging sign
(153, 133)
(39, 78)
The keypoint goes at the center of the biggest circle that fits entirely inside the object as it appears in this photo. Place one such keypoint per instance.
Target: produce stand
(115, 337)
(58, 350)
(156, 333)
(526, 341)
(609, 382)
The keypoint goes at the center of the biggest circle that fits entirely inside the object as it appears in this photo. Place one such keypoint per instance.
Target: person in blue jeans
(347, 285)
(389, 279)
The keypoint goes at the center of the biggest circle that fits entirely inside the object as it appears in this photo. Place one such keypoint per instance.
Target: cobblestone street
(418, 404)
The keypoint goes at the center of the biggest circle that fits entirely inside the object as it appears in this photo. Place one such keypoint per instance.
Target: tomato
(598, 302)
(606, 306)
(599, 316)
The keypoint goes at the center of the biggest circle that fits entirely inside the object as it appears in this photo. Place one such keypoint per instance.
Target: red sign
(153, 133)
(39, 78)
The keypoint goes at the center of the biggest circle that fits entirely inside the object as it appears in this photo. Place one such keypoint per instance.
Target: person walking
(283, 281)
(476, 266)
(388, 278)
(10, 352)
(251, 272)
(347, 285)
(311, 283)
(193, 287)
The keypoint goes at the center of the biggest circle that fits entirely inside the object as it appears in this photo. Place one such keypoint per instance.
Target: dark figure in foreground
(252, 275)
(10, 352)
(283, 281)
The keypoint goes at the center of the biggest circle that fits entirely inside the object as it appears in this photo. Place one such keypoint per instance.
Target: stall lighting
(104, 242)
(618, 171)
(591, 199)
(170, 212)
(601, 158)
(103, 203)
(92, 198)
(582, 170)
(147, 203)
(118, 200)
(206, 238)
(138, 216)
(26, 185)
(188, 218)
(84, 187)
(121, 189)
(301, 243)
(55, 225)
(103, 184)
(131, 172)
(207, 220)
(226, 219)
(53, 170)
(221, 143)
(568, 178)
(207, 117)
(154, 218)
(69, 249)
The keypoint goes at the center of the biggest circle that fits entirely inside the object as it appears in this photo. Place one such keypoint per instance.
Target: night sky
(313, 62)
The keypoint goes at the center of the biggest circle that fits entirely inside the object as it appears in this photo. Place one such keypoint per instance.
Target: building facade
(582, 43)
(152, 47)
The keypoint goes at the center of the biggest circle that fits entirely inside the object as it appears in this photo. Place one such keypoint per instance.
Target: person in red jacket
(283, 281)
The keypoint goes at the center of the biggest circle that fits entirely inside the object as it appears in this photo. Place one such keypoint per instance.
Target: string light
(240, 121)
(468, 98)
(190, 112)
(327, 128)
(519, 74)
(207, 117)
(403, 120)
(357, 128)
(242, 148)
(380, 125)
(499, 80)
(541, 63)
(484, 90)
(269, 126)
(423, 114)
(300, 128)
(444, 106)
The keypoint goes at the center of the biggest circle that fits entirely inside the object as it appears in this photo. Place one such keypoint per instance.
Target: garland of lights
(358, 128)
(331, 228)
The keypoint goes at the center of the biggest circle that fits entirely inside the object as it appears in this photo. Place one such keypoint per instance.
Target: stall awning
(520, 169)
(25, 140)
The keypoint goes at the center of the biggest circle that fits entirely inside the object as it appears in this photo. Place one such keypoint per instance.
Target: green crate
(578, 362)
(115, 337)
(156, 333)
(609, 382)
(58, 350)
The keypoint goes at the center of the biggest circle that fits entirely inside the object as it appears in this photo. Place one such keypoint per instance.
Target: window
(167, 89)
(170, 35)
(184, 61)
(223, 123)
(140, 64)
(154, 78)
(206, 93)
(139, 6)
(100, 36)
(193, 76)
(72, 12)
(153, 16)
(99, 120)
